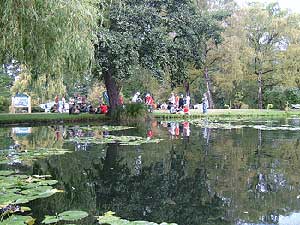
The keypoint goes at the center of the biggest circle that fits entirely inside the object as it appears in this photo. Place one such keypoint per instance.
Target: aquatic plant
(65, 216)
(110, 139)
(109, 218)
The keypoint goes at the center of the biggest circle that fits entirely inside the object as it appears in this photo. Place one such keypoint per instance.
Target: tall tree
(265, 28)
(54, 37)
(161, 36)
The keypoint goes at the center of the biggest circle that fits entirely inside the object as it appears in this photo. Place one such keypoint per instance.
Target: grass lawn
(6, 118)
(24, 118)
(196, 113)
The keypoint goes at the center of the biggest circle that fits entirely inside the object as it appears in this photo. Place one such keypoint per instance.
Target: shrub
(279, 96)
(130, 112)
(4, 104)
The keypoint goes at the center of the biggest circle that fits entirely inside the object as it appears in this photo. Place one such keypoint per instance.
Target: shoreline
(46, 118)
(7, 119)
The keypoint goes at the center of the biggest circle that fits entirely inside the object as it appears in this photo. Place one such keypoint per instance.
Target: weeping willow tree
(50, 37)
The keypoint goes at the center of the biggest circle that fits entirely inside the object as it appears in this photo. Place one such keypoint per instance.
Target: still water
(208, 174)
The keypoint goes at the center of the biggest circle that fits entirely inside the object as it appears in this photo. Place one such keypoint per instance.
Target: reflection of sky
(292, 219)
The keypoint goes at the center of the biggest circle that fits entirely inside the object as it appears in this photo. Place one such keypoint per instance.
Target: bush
(130, 112)
(279, 96)
(4, 104)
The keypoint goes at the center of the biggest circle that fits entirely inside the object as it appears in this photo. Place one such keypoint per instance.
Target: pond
(185, 172)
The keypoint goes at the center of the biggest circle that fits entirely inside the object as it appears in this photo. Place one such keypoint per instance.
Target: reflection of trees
(156, 194)
(165, 190)
(196, 183)
(260, 174)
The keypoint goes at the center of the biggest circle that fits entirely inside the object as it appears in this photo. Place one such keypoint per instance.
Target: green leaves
(18, 220)
(65, 216)
(111, 219)
(19, 189)
(122, 140)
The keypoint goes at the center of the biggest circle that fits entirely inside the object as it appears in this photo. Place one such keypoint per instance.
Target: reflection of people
(177, 131)
(171, 129)
(186, 129)
(149, 134)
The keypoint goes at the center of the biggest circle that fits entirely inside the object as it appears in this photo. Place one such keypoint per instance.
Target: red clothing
(177, 100)
(149, 134)
(104, 109)
(149, 100)
(121, 101)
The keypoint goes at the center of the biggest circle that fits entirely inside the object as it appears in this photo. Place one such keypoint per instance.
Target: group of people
(148, 100)
(77, 104)
(179, 103)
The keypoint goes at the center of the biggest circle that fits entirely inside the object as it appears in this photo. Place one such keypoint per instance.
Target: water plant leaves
(109, 218)
(65, 216)
(106, 128)
(7, 156)
(19, 189)
(6, 172)
(110, 139)
(18, 220)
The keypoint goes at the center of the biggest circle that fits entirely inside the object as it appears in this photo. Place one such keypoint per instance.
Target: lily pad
(19, 189)
(109, 218)
(110, 139)
(65, 216)
(8, 156)
(18, 220)
(6, 172)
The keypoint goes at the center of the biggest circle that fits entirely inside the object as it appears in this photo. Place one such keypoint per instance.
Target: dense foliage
(238, 56)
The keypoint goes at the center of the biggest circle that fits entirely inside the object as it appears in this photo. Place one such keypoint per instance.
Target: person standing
(135, 97)
(181, 102)
(63, 100)
(188, 101)
(172, 99)
(176, 101)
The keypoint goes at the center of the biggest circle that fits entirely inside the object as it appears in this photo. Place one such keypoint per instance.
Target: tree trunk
(260, 100)
(187, 87)
(112, 90)
(208, 86)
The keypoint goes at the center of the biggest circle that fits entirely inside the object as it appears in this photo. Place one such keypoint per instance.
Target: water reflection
(195, 176)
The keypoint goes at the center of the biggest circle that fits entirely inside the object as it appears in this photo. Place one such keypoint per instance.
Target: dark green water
(194, 176)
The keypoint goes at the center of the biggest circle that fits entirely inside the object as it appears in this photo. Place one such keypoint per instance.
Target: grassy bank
(35, 118)
(235, 113)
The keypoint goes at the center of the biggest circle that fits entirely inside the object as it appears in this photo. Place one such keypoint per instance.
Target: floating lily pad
(8, 156)
(106, 128)
(6, 172)
(111, 219)
(65, 216)
(18, 220)
(109, 139)
(19, 189)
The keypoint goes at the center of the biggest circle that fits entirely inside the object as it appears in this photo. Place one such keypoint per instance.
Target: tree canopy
(54, 37)
(164, 37)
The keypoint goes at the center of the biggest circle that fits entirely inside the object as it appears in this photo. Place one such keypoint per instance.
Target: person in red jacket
(149, 102)
(104, 109)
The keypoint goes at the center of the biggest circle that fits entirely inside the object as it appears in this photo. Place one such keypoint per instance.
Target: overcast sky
(293, 5)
